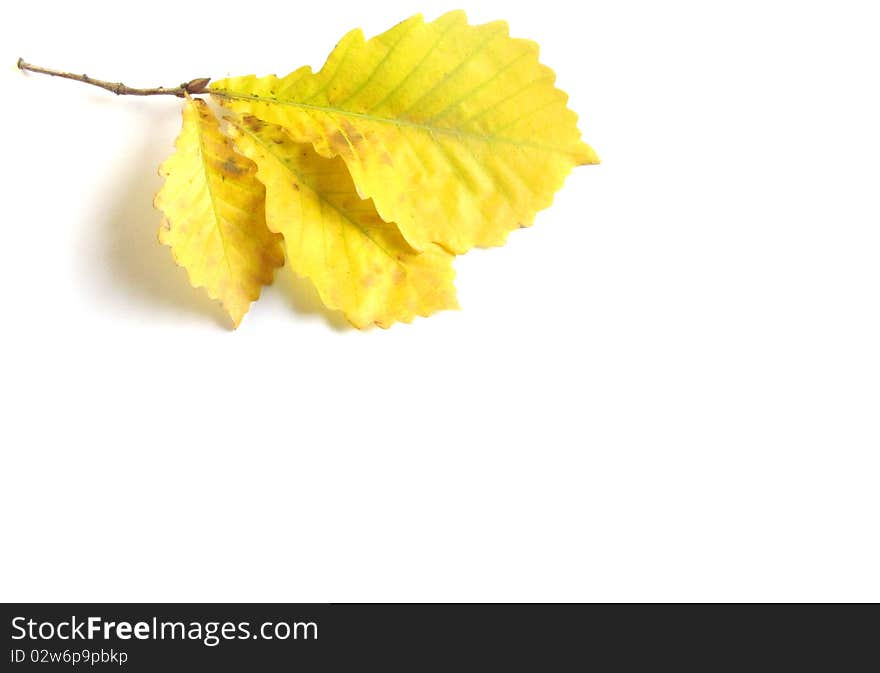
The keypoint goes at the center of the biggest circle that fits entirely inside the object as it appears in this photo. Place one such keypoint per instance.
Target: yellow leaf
(359, 263)
(455, 131)
(214, 214)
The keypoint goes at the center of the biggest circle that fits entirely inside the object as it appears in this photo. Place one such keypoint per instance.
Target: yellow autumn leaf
(456, 132)
(214, 220)
(359, 263)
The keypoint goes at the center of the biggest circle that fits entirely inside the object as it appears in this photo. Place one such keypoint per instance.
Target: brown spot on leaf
(253, 123)
(339, 143)
(346, 140)
(229, 166)
(354, 136)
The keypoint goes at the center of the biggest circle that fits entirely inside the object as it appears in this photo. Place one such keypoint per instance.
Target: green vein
(479, 87)
(256, 98)
(498, 103)
(465, 61)
(528, 114)
(321, 197)
(342, 61)
(385, 57)
(456, 22)
(202, 156)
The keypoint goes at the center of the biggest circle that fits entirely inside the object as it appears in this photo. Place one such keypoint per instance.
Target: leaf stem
(194, 86)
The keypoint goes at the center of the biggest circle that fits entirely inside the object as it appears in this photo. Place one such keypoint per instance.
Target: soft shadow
(138, 269)
(137, 264)
(303, 298)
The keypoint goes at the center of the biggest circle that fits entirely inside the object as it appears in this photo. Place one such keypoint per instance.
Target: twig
(194, 86)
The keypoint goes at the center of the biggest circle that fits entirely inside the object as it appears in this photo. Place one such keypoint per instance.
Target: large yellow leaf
(359, 263)
(214, 214)
(456, 132)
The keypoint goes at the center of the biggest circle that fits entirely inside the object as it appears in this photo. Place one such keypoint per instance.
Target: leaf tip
(236, 321)
(587, 156)
(455, 15)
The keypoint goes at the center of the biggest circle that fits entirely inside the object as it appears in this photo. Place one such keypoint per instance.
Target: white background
(667, 389)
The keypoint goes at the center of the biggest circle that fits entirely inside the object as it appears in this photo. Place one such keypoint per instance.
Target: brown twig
(194, 86)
